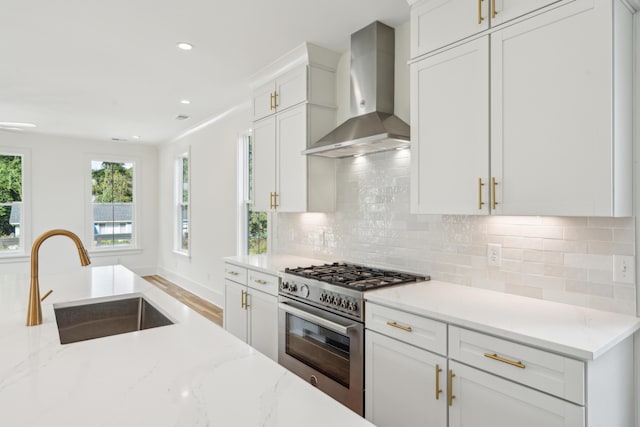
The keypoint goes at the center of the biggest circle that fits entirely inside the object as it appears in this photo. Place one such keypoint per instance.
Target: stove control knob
(344, 303)
(323, 297)
(293, 287)
(337, 301)
(284, 286)
(304, 291)
(353, 306)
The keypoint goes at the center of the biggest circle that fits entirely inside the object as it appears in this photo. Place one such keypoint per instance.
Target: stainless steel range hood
(372, 127)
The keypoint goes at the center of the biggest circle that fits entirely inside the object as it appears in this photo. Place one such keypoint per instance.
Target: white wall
(214, 212)
(59, 185)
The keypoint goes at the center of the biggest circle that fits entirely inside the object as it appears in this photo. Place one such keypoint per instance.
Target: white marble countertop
(192, 373)
(577, 332)
(272, 263)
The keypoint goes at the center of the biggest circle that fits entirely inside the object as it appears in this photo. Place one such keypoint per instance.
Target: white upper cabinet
(555, 92)
(300, 110)
(438, 23)
(450, 122)
(284, 92)
(560, 105)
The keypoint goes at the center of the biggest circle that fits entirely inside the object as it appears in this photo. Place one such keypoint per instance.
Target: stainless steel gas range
(321, 325)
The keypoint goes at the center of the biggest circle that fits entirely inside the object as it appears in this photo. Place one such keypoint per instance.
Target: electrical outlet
(624, 269)
(494, 254)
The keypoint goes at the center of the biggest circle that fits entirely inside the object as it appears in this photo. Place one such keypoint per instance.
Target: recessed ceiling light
(17, 125)
(119, 139)
(182, 117)
(185, 46)
(185, 102)
(136, 137)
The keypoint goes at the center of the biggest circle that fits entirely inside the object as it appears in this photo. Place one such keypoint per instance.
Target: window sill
(182, 254)
(113, 252)
(15, 257)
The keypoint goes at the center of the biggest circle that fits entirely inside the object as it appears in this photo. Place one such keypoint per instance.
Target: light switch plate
(624, 269)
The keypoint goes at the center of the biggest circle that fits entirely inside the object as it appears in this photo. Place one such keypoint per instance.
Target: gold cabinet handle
(494, 356)
(244, 303)
(275, 200)
(272, 104)
(233, 273)
(480, 185)
(493, 193)
(272, 203)
(450, 386)
(261, 282)
(438, 389)
(480, 18)
(494, 12)
(275, 100)
(396, 325)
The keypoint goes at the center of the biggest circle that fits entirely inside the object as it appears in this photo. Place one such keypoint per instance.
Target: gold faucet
(34, 310)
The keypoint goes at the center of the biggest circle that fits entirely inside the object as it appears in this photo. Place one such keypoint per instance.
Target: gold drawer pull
(494, 356)
(493, 193)
(261, 282)
(233, 273)
(480, 185)
(494, 12)
(404, 328)
(438, 389)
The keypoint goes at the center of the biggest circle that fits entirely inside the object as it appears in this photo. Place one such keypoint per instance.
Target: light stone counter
(578, 332)
(272, 264)
(192, 373)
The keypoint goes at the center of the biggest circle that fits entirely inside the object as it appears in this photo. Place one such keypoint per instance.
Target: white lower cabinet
(481, 400)
(251, 308)
(405, 385)
(425, 372)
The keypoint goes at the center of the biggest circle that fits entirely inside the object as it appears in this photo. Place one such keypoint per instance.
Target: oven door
(324, 349)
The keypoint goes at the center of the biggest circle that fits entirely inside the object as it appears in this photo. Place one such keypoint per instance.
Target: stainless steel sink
(85, 321)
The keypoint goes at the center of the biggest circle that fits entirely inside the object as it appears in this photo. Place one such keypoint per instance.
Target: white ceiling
(111, 69)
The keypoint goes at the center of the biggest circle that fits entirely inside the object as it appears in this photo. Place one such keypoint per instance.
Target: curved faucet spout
(34, 309)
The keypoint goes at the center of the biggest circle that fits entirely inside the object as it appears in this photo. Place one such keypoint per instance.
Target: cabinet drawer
(548, 372)
(235, 273)
(419, 331)
(263, 282)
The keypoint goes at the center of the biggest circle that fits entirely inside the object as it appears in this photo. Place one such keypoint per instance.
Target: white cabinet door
(400, 384)
(235, 315)
(263, 323)
(264, 163)
(506, 10)
(483, 400)
(450, 131)
(551, 121)
(291, 131)
(437, 23)
(262, 103)
(291, 88)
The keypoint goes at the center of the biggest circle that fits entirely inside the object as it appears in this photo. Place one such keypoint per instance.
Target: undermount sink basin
(89, 320)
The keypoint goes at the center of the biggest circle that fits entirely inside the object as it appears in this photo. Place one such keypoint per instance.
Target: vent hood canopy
(373, 127)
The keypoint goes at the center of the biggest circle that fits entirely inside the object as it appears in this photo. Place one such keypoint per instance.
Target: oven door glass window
(320, 348)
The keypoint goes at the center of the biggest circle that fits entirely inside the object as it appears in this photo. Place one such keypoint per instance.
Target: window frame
(136, 245)
(179, 203)
(25, 210)
(245, 198)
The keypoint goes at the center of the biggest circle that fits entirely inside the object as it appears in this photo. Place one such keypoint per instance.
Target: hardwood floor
(205, 308)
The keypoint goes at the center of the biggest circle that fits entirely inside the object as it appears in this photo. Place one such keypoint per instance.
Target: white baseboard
(204, 292)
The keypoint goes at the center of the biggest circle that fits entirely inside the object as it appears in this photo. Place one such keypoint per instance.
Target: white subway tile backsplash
(564, 259)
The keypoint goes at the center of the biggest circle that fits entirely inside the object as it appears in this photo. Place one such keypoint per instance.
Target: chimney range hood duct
(372, 127)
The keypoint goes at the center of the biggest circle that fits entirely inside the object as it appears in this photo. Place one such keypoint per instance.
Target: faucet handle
(46, 295)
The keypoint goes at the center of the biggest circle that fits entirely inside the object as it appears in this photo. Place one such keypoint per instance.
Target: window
(253, 225)
(11, 204)
(112, 204)
(183, 196)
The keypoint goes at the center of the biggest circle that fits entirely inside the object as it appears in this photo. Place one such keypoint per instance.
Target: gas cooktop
(354, 276)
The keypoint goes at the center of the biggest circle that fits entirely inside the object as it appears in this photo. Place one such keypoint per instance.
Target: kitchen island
(191, 373)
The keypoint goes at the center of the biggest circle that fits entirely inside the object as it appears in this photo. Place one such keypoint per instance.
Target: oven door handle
(305, 315)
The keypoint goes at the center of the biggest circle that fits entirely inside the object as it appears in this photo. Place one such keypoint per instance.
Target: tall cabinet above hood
(372, 127)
